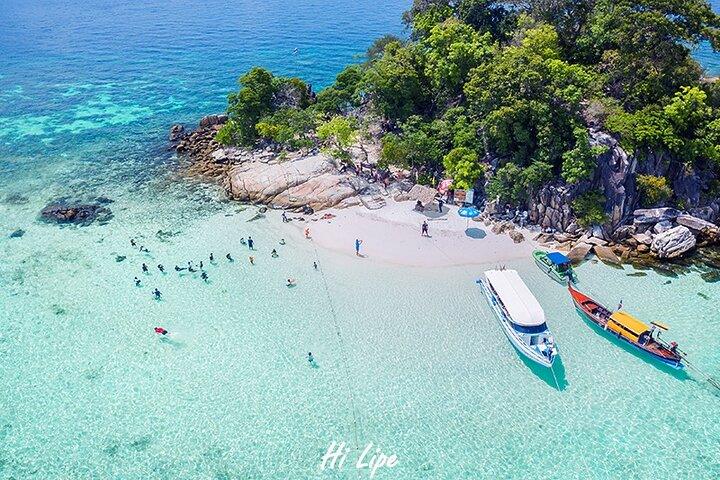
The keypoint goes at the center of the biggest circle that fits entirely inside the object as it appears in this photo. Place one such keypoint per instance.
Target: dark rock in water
(164, 235)
(665, 272)
(58, 309)
(667, 282)
(702, 295)
(637, 274)
(120, 258)
(77, 213)
(212, 120)
(711, 276)
(17, 233)
(103, 200)
(15, 199)
(176, 132)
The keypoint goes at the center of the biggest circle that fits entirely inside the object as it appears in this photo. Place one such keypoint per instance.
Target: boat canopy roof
(558, 258)
(519, 302)
(629, 322)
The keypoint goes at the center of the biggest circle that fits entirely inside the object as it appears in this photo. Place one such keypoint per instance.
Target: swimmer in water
(252, 260)
(201, 265)
(282, 241)
(212, 257)
(157, 294)
(204, 276)
(144, 268)
(307, 232)
(290, 282)
(137, 282)
(161, 268)
(143, 249)
(190, 268)
(178, 269)
(274, 253)
(242, 241)
(251, 244)
(310, 357)
(132, 242)
(315, 265)
(161, 331)
(229, 257)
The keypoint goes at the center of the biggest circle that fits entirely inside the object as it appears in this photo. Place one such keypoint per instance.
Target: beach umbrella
(468, 212)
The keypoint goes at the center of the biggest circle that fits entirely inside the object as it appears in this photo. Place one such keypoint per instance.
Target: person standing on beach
(424, 231)
(307, 232)
(358, 242)
(440, 205)
(251, 244)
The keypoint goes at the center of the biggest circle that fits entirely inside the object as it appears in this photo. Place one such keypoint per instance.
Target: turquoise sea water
(87, 93)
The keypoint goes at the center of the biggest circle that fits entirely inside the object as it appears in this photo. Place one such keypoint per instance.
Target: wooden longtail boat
(630, 329)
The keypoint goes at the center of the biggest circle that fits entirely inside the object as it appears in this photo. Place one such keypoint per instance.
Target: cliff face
(615, 176)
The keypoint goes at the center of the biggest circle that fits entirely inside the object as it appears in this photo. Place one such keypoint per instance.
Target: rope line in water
(343, 353)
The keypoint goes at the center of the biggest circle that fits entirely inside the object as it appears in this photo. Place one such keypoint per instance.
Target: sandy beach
(392, 235)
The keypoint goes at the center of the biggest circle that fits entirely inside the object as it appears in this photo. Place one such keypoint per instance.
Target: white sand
(392, 235)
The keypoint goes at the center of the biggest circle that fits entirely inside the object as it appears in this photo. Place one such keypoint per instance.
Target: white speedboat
(521, 316)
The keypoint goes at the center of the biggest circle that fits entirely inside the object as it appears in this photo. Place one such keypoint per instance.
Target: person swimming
(229, 257)
(315, 265)
(212, 257)
(132, 242)
(161, 268)
(137, 282)
(251, 243)
(144, 268)
(291, 282)
(178, 269)
(310, 357)
(252, 260)
(143, 249)
(190, 267)
(157, 294)
(201, 265)
(274, 253)
(282, 241)
(204, 276)
(161, 331)
(242, 241)
(307, 232)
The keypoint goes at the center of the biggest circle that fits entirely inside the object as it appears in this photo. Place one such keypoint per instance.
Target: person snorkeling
(161, 268)
(212, 257)
(229, 257)
(144, 268)
(291, 282)
(132, 242)
(157, 293)
(274, 253)
(204, 276)
(137, 282)
(161, 331)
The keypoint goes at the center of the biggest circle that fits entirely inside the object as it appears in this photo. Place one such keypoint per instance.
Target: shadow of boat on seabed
(554, 377)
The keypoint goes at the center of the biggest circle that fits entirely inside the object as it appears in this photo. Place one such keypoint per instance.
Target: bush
(463, 165)
(653, 190)
(590, 208)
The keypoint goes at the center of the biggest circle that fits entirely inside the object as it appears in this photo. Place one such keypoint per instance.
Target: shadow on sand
(477, 233)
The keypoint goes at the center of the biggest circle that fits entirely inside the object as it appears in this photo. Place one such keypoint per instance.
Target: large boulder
(607, 255)
(650, 216)
(578, 253)
(699, 226)
(673, 243)
(425, 194)
(314, 180)
(212, 120)
(615, 173)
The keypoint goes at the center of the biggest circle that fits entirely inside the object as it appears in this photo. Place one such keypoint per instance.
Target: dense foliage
(510, 91)
(653, 190)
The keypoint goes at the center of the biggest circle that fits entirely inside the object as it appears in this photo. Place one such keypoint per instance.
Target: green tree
(344, 94)
(247, 106)
(506, 186)
(463, 165)
(288, 127)
(579, 163)
(341, 133)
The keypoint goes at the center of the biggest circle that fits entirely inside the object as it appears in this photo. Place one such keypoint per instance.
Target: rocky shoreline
(310, 180)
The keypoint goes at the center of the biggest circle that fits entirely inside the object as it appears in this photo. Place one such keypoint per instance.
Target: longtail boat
(645, 338)
(556, 265)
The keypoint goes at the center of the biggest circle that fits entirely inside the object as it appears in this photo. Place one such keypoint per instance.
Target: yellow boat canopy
(627, 325)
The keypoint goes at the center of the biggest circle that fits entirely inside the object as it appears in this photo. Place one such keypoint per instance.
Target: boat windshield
(529, 330)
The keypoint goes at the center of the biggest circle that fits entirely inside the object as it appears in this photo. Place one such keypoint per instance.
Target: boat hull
(515, 340)
(599, 323)
(552, 272)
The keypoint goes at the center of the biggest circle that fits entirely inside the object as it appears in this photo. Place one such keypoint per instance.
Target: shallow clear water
(409, 359)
